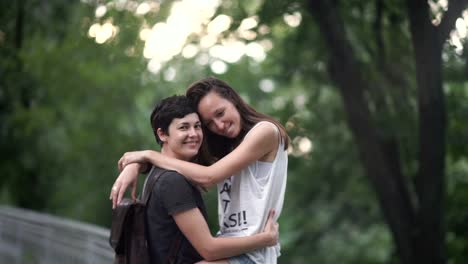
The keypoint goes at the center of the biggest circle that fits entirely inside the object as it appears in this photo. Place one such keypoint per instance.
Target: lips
(193, 143)
(226, 129)
(229, 131)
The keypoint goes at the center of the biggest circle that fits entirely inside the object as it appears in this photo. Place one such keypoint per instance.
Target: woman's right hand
(132, 157)
(128, 177)
(272, 228)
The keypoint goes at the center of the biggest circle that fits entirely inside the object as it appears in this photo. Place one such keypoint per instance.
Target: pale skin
(221, 117)
(261, 144)
(191, 222)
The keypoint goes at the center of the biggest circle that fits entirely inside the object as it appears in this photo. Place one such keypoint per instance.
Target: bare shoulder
(264, 130)
(266, 135)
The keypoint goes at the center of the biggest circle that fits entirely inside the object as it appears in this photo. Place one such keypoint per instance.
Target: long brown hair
(220, 146)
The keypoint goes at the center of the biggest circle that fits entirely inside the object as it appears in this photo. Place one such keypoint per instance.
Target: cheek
(212, 128)
(181, 137)
(236, 116)
(233, 112)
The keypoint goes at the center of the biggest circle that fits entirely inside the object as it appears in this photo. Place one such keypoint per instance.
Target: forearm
(194, 227)
(225, 247)
(205, 176)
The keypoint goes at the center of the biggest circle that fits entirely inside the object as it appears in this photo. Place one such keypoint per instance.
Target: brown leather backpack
(128, 235)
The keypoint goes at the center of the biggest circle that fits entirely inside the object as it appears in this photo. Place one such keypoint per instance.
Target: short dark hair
(166, 110)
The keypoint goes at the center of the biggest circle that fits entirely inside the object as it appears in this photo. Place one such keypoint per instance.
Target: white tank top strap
(265, 122)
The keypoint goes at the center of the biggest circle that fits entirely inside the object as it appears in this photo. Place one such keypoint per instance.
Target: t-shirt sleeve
(176, 193)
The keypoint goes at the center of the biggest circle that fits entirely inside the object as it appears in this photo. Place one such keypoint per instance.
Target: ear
(162, 136)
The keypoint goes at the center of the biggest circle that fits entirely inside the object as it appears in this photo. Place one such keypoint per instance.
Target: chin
(234, 135)
(191, 155)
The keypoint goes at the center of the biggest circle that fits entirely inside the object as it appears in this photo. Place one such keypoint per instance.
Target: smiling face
(219, 115)
(183, 138)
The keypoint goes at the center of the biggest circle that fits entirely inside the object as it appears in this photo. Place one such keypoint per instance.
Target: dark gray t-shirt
(171, 194)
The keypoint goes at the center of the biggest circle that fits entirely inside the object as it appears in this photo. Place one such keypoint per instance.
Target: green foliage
(69, 108)
(457, 180)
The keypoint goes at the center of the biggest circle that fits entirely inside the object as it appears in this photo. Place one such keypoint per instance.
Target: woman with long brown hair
(250, 169)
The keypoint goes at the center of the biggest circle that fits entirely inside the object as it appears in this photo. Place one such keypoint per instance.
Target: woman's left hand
(127, 178)
(131, 157)
(272, 228)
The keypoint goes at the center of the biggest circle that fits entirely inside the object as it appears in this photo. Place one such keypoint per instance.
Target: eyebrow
(188, 123)
(217, 110)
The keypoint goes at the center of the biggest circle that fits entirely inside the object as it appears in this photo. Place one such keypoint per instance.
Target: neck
(166, 152)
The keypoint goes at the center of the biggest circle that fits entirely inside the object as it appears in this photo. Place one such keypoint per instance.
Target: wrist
(147, 154)
(136, 166)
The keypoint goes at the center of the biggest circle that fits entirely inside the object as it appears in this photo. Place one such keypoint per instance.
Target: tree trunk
(385, 178)
(418, 231)
(432, 125)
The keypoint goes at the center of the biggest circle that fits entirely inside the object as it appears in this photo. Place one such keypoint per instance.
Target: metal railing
(30, 237)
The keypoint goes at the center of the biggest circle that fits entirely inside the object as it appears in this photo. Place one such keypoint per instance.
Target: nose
(219, 125)
(192, 132)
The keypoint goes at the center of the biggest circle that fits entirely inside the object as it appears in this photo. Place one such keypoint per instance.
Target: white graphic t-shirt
(245, 199)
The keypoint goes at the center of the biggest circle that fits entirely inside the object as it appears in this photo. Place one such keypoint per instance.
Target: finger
(122, 165)
(272, 212)
(134, 190)
(277, 231)
(110, 194)
(122, 162)
(121, 193)
(119, 164)
(115, 195)
(269, 218)
(115, 192)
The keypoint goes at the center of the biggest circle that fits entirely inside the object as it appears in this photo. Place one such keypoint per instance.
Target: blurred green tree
(416, 219)
(349, 80)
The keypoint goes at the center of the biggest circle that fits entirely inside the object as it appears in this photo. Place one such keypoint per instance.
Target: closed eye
(220, 113)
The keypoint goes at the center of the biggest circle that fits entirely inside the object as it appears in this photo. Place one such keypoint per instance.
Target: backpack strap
(149, 184)
(146, 194)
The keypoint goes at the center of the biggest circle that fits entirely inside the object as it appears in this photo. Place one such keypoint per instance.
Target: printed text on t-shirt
(235, 219)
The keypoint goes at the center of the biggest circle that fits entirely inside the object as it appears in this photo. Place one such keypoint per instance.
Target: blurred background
(374, 95)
